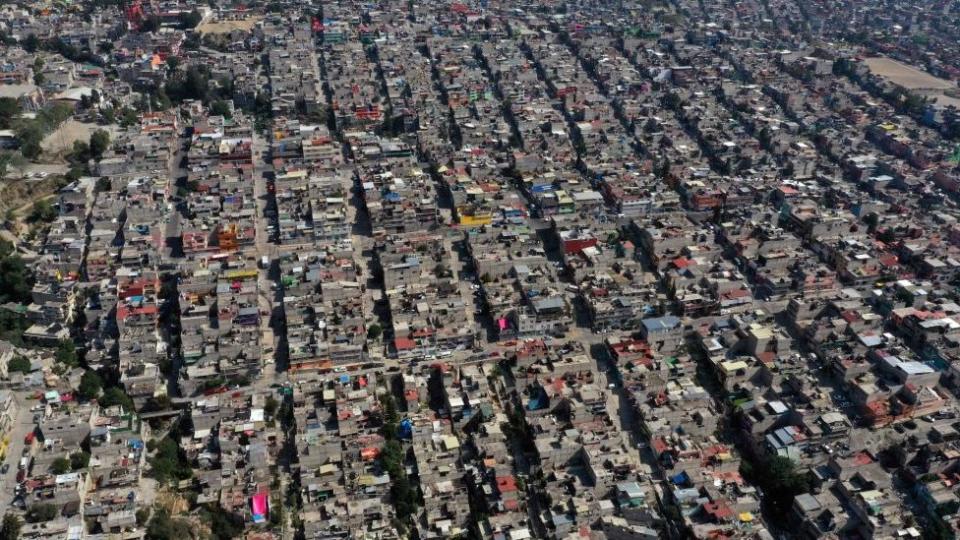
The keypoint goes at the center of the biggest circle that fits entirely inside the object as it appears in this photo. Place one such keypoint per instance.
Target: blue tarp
(406, 429)
(680, 479)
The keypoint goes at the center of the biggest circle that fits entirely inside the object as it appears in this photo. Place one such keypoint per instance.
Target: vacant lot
(224, 27)
(906, 76)
(59, 143)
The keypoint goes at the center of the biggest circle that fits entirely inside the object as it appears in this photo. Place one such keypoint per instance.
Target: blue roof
(661, 324)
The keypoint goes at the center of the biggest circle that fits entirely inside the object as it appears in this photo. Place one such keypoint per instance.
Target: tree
(79, 460)
(103, 184)
(109, 115)
(163, 527)
(391, 419)
(194, 83)
(129, 117)
(374, 331)
(61, 465)
(12, 327)
(114, 396)
(8, 159)
(99, 143)
(80, 152)
(30, 134)
(90, 385)
(157, 403)
(151, 24)
(9, 109)
(66, 354)
(19, 363)
(41, 512)
(220, 108)
(189, 20)
(42, 211)
(270, 406)
(16, 281)
(225, 525)
(779, 479)
(30, 43)
(168, 463)
(11, 527)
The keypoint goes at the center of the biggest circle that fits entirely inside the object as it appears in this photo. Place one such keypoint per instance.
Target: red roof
(404, 344)
(683, 262)
(506, 484)
(660, 445)
(718, 510)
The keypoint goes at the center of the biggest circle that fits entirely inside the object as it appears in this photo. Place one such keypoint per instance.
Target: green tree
(61, 465)
(16, 281)
(41, 512)
(29, 134)
(270, 406)
(220, 108)
(12, 327)
(66, 354)
(374, 331)
(129, 117)
(404, 495)
(189, 20)
(8, 159)
(9, 109)
(19, 363)
(31, 43)
(163, 527)
(116, 396)
(391, 419)
(80, 152)
(168, 464)
(42, 211)
(151, 24)
(90, 385)
(224, 525)
(780, 480)
(109, 115)
(11, 527)
(99, 143)
(79, 460)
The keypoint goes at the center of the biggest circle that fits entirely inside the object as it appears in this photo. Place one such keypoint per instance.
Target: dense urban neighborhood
(480, 269)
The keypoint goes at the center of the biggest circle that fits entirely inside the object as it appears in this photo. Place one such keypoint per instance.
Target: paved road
(23, 425)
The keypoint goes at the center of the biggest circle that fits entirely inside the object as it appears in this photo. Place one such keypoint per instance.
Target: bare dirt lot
(906, 76)
(224, 27)
(914, 79)
(60, 142)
